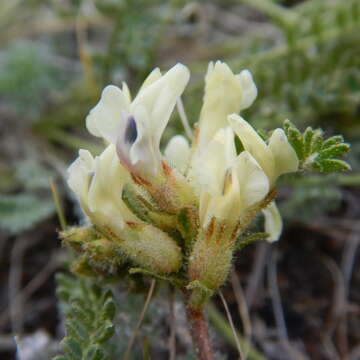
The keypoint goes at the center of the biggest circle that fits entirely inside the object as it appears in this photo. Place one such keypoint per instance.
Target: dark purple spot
(130, 131)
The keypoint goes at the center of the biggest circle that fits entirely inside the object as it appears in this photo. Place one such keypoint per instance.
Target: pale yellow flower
(229, 184)
(276, 158)
(136, 126)
(225, 93)
(99, 182)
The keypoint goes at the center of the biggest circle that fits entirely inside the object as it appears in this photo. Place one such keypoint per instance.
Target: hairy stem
(199, 332)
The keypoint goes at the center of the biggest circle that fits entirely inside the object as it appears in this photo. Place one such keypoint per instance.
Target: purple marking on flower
(130, 131)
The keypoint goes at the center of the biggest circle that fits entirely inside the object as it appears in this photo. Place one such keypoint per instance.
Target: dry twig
(242, 307)
(228, 314)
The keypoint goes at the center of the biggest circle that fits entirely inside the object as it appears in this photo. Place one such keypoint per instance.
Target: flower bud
(76, 237)
(150, 248)
(210, 260)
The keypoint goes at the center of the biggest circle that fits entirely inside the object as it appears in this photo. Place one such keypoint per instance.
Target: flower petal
(105, 118)
(177, 153)
(105, 193)
(249, 89)
(254, 184)
(211, 163)
(225, 206)
(126, 91)
(223, 96)
(254, 144)
(284, 154)
(159, 98)
(80, 173)
(273, 222)
(144, 156)
(151, 78)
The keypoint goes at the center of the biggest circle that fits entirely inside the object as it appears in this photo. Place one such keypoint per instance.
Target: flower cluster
(180, 212)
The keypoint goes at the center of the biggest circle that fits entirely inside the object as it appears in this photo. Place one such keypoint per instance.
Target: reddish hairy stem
(199, 333)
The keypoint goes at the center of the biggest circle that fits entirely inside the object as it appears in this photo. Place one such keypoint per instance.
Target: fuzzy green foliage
(311, 197)
(135, 37)
(316, 153)
(315, 74)
(28, 76)
(88, 307)
(90, 310)
(22, 210)
(309, 74)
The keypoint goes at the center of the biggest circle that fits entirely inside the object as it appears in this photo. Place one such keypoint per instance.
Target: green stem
(58, 205)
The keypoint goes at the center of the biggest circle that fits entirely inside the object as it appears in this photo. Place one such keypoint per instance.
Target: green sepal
(188, 221)
(133, 202)
(247, 240)
(145, 209)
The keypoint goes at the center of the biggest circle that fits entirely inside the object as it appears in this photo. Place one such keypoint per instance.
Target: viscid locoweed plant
(178, 215)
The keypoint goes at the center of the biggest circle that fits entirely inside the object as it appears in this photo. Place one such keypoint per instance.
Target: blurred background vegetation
(57, 55)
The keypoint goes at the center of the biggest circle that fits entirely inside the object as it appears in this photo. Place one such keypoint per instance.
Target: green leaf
(89, 310)
(295, 138)
(308, 135)
(316, 153)
(76, 330)
(317, 141)
(337, 139)
(104, 332)
(332, 165)
(94, 352)
(82, 313)
(334, 151)
(72, 348)
(22, 211)
(109, 309)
